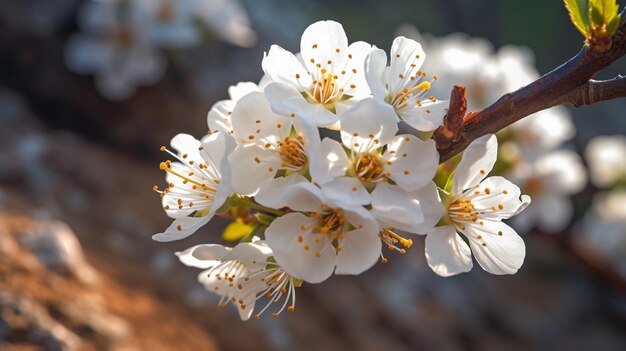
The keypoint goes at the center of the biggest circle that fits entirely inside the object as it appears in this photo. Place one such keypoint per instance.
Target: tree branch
(596, 91)
(569, 83)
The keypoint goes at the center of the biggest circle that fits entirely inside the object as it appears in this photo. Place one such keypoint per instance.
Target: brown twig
(594, 263)
(453, 119)
(596, 91)
(554, 88)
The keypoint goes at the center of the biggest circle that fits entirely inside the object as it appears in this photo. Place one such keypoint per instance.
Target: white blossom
(198, 184)
(118, 50)
(324, 82)
(403, 85)
(331, 231)
(604, 226)
(172, 23)
(242, 275)
(606, 156)
(375, 154)
(268, 143)
(550, 180)
(475, 208)
(227, 19)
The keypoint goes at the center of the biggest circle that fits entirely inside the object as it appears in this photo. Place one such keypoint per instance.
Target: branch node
(448, 133)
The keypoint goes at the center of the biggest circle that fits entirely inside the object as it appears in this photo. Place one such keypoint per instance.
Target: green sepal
(449, 183)
(264, 219)
(297, 282)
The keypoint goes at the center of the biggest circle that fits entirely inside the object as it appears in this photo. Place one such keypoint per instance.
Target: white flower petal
(496, 198)
(496, 246)
(411, 161)
(283, 67)
(346, 192)
(354, 81)
(182, 228)
(407, 57)
(293, 191)
(375, 73)
(328, 162)
(477, 161)
(446, 252)
(218, 118)
(320, 42)
(241, 89)
(432, 208)
(425, 117)
(253, 255)
(287, 100)
(300, 253)
(360, 250)
(254, 121)
(252, 165)
(203, 256)
(369, 125)
(395, 207)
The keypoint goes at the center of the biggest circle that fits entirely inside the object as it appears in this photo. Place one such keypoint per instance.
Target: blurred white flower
(227, 19)
(604, 226)
(402, 84)
(173, 24)
(606, 156)
(375, 154)
(242, 275)
(331, 231)
(198, 184)
(118, 50)
(324, 82)
(268, 143)
(550, 181)
(476, 208)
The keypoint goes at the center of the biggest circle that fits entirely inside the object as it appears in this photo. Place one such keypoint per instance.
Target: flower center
(332, 223)
(462, 210)
(408, 97)
(122, 37)
(291, 150)
(326, 91)
(369, 168)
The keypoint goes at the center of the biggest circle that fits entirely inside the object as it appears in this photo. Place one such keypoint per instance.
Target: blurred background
(79, 154)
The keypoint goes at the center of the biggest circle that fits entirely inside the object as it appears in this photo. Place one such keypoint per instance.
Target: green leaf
(579, 14)
(604, 15)
(611, 27)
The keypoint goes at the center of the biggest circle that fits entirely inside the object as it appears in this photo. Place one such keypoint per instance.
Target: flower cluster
(312, 163)
(120, 40)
